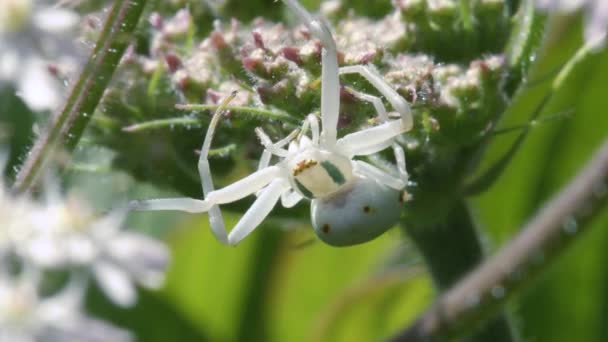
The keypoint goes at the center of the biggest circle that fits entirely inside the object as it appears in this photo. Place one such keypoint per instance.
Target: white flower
(13, 215)
(25, 316)
(65, 233)
(125, 257)
(596, 12)
(33, 36)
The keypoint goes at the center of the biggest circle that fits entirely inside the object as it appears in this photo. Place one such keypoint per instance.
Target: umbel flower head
(63, 233)
(36, 41)
(26, 316)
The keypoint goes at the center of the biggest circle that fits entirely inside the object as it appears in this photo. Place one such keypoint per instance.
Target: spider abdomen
(360, 212)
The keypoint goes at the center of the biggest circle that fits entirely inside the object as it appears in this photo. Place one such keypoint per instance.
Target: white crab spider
(352, 201)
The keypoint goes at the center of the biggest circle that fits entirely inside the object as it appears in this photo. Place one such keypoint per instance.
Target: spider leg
(186, 204)
(271, 148)
(371, 149)
(365, 141)
(313, 123)
(231, 193)
(330, 81)
(269, 145)
(382, 114)
(400, 159)
(258, 211)
(379, 175)
(245, 186)
(374, 100)
(375, 79)
(216, 221)
(290, 198)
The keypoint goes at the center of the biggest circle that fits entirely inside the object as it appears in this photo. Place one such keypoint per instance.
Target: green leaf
(572, 293)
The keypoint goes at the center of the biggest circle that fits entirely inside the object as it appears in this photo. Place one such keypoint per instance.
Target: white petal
(105, 228)
(145, 258)
(45, 251)
(81, 328)
(115, 283)
(62, 306)
(9, 64)
(80, 249)
(37, 87)
(55, 20)
(85, 329)
(596, 26)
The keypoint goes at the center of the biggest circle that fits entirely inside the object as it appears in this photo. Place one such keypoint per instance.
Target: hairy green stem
(546, 236)
(258, 112)
(526, 37)
(451, 248)
(69, 124)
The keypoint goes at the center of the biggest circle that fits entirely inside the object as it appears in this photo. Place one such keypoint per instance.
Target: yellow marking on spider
(303, 165)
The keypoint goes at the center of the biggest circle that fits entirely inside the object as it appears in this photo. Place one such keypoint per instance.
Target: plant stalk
(452, 248)
(69, 124)
(554, 228)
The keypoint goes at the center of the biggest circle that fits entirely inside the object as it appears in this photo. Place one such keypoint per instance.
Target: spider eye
(356, 214)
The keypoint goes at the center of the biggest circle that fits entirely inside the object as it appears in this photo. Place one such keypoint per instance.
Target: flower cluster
(63, 234)
(276, 69)
(27, 316)
(37, 50)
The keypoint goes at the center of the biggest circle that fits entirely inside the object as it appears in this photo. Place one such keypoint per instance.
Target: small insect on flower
(352, 201)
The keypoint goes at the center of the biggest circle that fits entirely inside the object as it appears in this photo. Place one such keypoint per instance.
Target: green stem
(69, 124)
(526, 37)
(451, 248)
(258, 112)
(162, 123)
(548, 234)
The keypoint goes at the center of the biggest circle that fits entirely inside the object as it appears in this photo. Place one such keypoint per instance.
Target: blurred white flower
(596, 12)
(35, 38)
(25, 316)
(65, 233)
(13, 214)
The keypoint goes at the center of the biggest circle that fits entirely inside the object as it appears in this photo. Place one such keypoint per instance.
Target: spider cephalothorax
(351, 201)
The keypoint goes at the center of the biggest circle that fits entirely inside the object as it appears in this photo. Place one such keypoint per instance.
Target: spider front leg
(373, 140)
(271, 148)
(258, 211)
(382, 177)
(270, 181)
(330, 80)
(267, 197)
(375, 79)
(289, 198)
(383, 116)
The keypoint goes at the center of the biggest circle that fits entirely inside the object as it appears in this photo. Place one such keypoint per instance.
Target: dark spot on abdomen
(325, 228)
